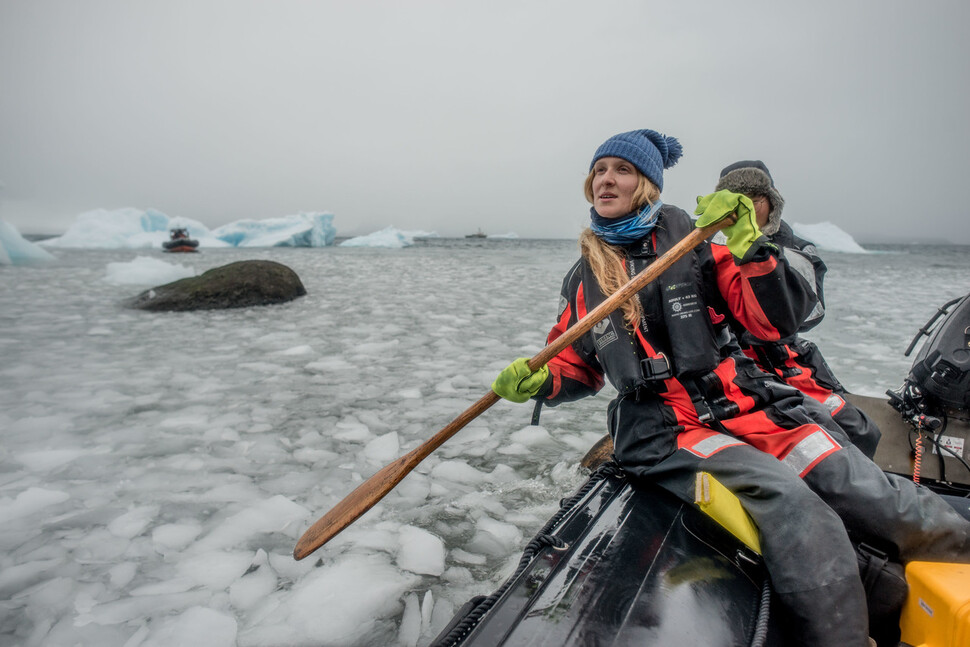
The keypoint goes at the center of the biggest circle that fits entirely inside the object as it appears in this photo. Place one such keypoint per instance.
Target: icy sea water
(157, 468)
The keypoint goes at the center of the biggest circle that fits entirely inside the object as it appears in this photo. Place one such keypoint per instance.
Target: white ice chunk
(421, 552)
(194, 626)
(383, 449)
(339, 603)
(531, 436)
(134, 608)
(144, 270)
(173, 537)
(460, 555)
(494, 538)
(255, 585)
(297, 350)
(18, 577)
(28, 502)
(427, 610)
(410, 629)
(46, 460)
(122, 574)
(215, 570)
(133, 523)
(276, 514)
(352, 431)
(458, 471)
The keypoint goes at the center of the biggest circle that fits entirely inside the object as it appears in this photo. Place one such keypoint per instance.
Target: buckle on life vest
(709, 400)
(656, 368)
(772, 355)
(720, 409)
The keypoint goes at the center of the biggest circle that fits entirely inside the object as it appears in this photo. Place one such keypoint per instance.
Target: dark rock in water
(237, 285)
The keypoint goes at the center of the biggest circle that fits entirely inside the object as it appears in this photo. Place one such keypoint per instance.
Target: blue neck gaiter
(626, 229)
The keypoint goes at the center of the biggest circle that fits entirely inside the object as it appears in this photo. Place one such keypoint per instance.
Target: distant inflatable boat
(179, 241)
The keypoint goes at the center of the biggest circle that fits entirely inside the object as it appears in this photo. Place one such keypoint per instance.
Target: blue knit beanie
(648, 150)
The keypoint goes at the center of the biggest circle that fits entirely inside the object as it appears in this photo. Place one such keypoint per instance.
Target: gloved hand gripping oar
(377, 486)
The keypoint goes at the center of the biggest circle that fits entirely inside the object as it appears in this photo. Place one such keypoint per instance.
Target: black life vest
(675, 324)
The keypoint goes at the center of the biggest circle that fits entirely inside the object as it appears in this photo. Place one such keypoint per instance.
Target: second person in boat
(794, 359)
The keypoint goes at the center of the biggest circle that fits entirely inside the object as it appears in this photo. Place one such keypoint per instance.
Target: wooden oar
(377, 486)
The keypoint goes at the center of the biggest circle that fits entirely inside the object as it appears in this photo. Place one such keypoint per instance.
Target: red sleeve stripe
(742, 302)
(761, 268)
(568, 364)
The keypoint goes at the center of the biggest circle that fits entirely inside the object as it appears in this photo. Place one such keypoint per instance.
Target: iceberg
(127, 228)
(301, 230)
(17, 250)
(388, 237)
(131, 228)
(829, 237)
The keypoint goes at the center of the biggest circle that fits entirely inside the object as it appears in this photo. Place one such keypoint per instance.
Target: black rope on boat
(761, 624)
(541, 540)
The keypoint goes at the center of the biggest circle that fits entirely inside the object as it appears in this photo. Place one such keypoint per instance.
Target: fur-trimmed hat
(648, 150)
(751, 177)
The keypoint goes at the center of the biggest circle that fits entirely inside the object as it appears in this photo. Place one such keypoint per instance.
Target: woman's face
(614, 182)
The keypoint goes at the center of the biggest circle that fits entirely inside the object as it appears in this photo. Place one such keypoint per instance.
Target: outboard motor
(940, 376)
(935, 397)
(942, 366)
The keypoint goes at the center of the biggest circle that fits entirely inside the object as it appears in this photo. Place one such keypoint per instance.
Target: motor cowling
(941, 369)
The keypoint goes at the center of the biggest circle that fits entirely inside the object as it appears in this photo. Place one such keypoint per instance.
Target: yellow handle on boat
(722, 505)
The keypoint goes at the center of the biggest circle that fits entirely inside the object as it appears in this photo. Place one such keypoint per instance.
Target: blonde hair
(607, 261)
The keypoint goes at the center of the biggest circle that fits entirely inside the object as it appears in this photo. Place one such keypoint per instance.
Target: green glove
(742, 234)
(517, 383)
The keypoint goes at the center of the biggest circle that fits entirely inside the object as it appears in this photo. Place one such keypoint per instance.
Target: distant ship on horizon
(477, 234)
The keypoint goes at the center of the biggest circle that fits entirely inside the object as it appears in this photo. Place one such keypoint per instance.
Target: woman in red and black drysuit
(689, 400)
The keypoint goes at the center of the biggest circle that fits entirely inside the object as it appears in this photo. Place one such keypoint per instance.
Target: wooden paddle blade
(353, 506)
(377, 486)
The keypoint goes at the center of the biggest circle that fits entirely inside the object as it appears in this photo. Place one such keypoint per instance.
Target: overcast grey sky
(454, 116)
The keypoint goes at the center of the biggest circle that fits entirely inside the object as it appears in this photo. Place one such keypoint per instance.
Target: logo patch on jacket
(683, 300)
(603, 333)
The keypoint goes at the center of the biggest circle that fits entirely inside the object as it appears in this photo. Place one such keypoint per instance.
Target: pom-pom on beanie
(751, 177)
(648, 150)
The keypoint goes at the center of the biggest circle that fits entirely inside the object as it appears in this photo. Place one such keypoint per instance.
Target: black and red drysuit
(689, 400)
(794, 359)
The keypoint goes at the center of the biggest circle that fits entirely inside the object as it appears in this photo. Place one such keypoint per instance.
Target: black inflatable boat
(625, 564)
